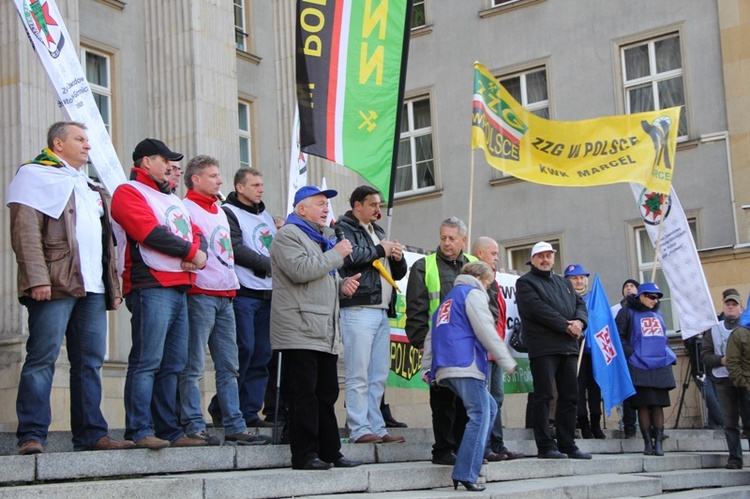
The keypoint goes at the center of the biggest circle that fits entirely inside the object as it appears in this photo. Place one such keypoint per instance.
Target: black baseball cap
(155, 147)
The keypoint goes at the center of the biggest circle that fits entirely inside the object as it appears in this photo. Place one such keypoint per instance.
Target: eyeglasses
(652, 297)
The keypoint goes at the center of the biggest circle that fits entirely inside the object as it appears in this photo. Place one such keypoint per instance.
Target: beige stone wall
(734, 19)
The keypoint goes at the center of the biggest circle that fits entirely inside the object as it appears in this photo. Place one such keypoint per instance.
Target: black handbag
(516, 340)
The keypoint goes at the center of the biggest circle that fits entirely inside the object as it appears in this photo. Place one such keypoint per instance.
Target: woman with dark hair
(455, 358)
(644, 341)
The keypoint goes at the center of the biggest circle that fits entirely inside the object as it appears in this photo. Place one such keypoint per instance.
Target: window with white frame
(518, 255)
(245, 132)
(498, 3)
(240, 25)
(529, 88)
(652, 74)
(418, 14)
(645, 259)
(97, 68)
(415, 171)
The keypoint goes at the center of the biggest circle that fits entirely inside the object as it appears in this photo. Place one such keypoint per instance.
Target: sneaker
(247, 438)
(152, 443)
(108, 443)
(188, 441)
(209, 439)
(29, 447)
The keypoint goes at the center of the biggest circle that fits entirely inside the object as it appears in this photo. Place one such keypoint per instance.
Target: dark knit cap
(629, 281)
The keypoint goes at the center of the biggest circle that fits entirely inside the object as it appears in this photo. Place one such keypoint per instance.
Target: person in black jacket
(364, 316)
(554, 318)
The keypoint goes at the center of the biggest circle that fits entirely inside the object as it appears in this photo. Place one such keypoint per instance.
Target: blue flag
(607, 358)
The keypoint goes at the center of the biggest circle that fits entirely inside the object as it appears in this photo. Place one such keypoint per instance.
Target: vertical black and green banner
(350, 66)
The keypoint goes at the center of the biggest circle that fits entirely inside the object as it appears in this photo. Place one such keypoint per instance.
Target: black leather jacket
(546, 302)
(365, 252)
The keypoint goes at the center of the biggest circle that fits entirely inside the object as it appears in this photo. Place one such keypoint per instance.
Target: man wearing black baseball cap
(160, 249)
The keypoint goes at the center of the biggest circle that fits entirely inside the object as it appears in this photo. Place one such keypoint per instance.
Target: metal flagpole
(276, 438)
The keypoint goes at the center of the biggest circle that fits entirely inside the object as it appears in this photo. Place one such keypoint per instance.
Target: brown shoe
(186, 441)
(512, 455)
(493, 457)
(368, 439)
(152, 443)
(108, 443)
(29, 447)
(391, 439)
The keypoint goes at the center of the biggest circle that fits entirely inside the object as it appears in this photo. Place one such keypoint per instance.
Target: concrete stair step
(678, 480)
(742, 492)
(603, 476)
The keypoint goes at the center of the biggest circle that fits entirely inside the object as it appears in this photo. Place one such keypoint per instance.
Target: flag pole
(658, 243)
(471, 200)
(399, 111)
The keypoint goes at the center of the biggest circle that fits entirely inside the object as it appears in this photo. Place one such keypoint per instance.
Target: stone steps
(694, 462)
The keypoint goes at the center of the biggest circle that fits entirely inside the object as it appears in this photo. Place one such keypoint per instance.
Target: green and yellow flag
(636, 148)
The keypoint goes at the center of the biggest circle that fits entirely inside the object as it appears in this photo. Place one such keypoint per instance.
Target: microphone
(340, 237)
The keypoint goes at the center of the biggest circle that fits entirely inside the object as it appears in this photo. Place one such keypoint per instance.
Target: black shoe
(552, 454)
(446, 459)
(315, 465)
(216, 420)
(733, 465)
(258, 423)
(390, 421)
(471, 487)
(579, 454)
(343, 462)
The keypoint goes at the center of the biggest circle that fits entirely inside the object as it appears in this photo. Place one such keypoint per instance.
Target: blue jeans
(159, 329)
(83, 322)
(497, 393)
(481, 410)
(253, 319)
(211, 320)
(366, 334)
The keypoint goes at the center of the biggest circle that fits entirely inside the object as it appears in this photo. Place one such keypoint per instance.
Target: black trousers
(448, 420)
(588, 389)
(313, 391)
(560, 371)
(734, 402)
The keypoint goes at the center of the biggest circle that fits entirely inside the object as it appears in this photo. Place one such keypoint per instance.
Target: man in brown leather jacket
(62, 238)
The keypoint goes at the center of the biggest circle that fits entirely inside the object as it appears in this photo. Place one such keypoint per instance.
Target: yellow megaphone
(384, 273)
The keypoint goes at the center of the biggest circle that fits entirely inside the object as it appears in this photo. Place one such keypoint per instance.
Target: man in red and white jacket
(210, 313)
(486, 250)
(160, 251)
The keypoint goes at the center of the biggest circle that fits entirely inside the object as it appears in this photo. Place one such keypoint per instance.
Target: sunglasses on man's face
(652, 297)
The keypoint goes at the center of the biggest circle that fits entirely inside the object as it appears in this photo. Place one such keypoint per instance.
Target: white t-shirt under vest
(258, 232)
(218, 275)
(170, 212)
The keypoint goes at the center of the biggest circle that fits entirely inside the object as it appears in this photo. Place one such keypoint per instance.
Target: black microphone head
(339, 233)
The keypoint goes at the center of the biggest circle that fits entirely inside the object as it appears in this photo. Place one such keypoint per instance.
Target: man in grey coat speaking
(305, 326)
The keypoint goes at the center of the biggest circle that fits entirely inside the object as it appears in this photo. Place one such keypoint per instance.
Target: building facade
(217, 77)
